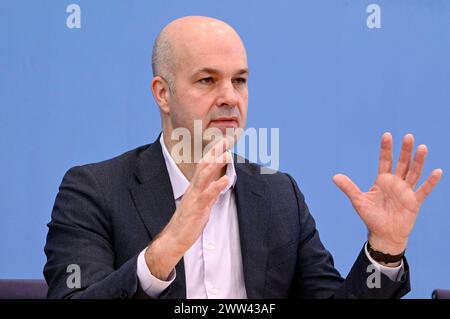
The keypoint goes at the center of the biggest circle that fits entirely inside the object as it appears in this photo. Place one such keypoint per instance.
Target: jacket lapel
(154, 199)
(253, 216)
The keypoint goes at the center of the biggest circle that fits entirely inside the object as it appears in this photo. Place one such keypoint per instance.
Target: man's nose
(228, 95)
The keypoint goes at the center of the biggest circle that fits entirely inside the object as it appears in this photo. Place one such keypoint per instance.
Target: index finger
(213, 151)
(213, 161)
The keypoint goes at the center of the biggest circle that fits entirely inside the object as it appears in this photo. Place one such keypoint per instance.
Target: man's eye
(240, 81)
(206, 80)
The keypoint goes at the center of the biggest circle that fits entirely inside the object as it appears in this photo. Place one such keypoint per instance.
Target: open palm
(390, 207)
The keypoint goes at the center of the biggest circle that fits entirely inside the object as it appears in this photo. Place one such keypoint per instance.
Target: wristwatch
(382, 257)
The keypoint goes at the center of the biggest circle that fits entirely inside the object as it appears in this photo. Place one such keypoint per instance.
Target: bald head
(186, 38)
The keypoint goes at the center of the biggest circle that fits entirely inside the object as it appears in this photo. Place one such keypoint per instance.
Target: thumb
(346, 185)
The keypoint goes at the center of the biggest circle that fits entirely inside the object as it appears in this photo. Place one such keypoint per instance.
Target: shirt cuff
(393, 273)
(151, 285)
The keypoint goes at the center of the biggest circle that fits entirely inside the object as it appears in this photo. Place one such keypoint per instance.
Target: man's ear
(161, 93)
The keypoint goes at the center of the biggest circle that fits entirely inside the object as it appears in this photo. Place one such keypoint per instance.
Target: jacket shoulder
(113, 171)
(277, 180)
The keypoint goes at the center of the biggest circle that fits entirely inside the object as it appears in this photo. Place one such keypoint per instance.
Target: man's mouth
(225, 121)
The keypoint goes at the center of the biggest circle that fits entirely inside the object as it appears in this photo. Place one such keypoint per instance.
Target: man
(146, 225)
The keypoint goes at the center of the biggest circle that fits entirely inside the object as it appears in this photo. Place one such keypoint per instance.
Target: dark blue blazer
(106, 213)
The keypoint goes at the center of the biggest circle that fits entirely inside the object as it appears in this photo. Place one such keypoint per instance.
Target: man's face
(210, 84)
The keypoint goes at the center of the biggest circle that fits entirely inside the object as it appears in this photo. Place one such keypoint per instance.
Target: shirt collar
(179, 181)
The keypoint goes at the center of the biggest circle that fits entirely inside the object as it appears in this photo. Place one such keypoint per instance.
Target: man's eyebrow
(243, 71)
(215, 71)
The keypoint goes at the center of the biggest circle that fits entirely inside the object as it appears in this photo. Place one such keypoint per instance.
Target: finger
(385, 164)
(405, 156)
(413, 176)
(425, 189)
(207, 171)
(212, 192)
(215, 150)
(346, 185)
(211, 164)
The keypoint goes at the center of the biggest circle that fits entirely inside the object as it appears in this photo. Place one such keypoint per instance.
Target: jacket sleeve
(79, 237)
(316, 276)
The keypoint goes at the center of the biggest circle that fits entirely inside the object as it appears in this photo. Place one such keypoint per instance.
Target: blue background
(332, 86)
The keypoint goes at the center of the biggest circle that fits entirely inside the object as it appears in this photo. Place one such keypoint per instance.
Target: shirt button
(215, 291)
(210, 247)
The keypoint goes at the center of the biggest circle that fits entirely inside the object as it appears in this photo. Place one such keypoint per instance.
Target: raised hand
(390, 207)
(191, 215)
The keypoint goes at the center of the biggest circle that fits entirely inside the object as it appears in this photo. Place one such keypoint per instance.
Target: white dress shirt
(213, 265)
